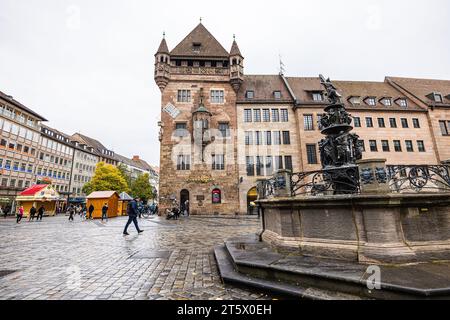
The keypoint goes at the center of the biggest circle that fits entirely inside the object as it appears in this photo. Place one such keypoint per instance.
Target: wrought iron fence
(347, 180)
(419, 178)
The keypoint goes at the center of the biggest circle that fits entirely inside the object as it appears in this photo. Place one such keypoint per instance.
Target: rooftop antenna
(282, 67)
(201, 19)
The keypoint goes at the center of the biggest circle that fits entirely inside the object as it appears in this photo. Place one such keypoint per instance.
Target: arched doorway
(252, 196)
(184, 196)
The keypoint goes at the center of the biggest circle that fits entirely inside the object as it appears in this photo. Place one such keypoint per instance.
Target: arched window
(216, 196)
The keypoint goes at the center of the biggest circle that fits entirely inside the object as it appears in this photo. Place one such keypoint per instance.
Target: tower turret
(162, 65)
(236, 66)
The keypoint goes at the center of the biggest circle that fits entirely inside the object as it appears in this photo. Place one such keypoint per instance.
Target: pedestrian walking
(33, 212)
(186, 208)
(20, 214)
(105, 212)
(91, 211)
(71, 212)
(132, 211)
(41, 212)
(1, 212)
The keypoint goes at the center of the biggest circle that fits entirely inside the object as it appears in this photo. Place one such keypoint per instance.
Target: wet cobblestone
(56, 259)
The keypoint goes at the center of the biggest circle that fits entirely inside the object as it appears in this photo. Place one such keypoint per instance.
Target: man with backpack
(133, 212)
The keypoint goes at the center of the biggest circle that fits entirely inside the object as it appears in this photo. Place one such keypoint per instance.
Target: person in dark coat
(133, 212)
(91, 211)
(41, 212)
(71, 212)
(105, 212)
(33, 212)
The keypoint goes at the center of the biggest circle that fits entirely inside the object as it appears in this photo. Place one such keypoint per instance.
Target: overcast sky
(87, 66)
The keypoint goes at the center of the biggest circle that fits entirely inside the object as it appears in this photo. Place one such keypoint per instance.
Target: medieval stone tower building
(199, 81)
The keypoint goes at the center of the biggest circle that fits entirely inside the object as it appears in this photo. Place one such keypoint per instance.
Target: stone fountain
(327, 233)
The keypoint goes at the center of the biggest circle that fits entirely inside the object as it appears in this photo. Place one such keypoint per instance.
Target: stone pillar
(282, 186)
(373, 176)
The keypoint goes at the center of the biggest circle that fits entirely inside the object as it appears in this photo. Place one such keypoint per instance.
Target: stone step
(255, 260)
(231, 276)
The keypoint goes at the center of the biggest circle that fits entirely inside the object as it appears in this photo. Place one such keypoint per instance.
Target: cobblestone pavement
(57, 259)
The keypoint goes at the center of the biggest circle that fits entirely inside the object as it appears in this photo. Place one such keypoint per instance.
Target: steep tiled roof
(163, 48)
(235, 49)
(422, 88)
(263, 87)
(33, 190)
(209, 46)
(302, 88)
(16, 103)
(98, 147)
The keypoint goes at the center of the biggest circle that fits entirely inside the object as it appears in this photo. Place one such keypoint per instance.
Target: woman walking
(20, 214)
(105, 212)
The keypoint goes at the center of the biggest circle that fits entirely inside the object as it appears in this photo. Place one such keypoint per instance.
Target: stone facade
(395, 119)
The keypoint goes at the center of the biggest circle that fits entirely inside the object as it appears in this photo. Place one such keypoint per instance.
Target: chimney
(136, 158)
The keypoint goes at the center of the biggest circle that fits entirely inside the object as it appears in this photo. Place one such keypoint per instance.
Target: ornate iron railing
(419, 178)
(348, 180)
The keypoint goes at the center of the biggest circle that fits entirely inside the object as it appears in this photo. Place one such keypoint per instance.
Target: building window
(12, 183)
(217, 96)
(371, 101)
(381, 123)
(284, 115)
(409, 146)
(259, 138)
(438, 98)
(3, 143)
(277, 95)
(184, 96)
(369, 122)
(373, 145)
(362, 145)
(445, 127)
(269, 138)
(257, 115)
(181, 130)
(416, 123)
(402, 103)
(385, 146)
(216, 196)
(269, 165)
(288, 163)
(259, 166)
(421, 146)
(393, 122)
(311, 153)
(308, 122)
(266, 115)
(183, 163)
(224, 129)
(355, 100)
(278, 163)
(218, 162)
(405, 124)
(250, 95)
(277, 138)
(247, 115)
(275, 115)
(317, 96)
(250, 164)
(248, 138)
(387, 102)
(357, 122)
(286, 137)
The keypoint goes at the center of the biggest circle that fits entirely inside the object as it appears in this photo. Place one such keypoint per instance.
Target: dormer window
(438, 98)
(371, 101)
(317, 96)
(250, 95)
(402, 102)
(277, 95)
(386, 102)
(355, 100)
(196, 47)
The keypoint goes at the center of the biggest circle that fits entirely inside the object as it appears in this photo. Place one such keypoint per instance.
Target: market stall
(98, 200)
(40, 195)
(125, 198)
